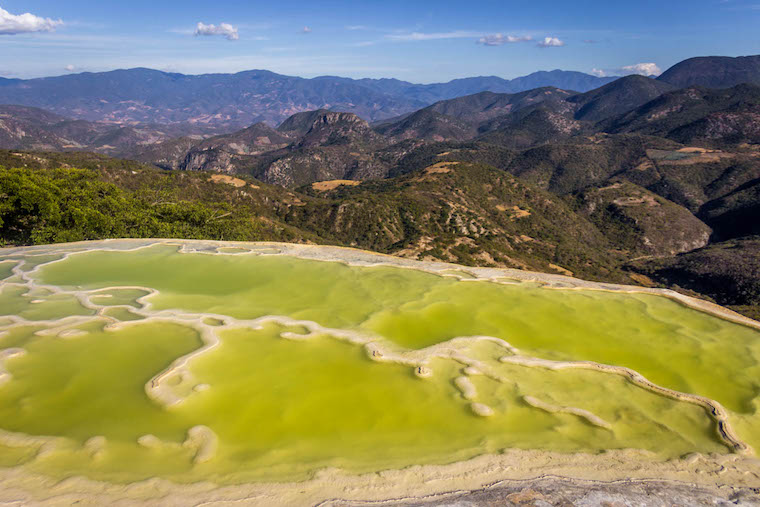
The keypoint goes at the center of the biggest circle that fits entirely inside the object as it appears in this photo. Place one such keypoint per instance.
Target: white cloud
(644, 69)
(306, 29)
(499, 39)
(12, 24)
(551, 42)
(70, 68)
(224, 29)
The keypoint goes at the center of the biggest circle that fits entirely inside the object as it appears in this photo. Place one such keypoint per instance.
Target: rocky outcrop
(645, 223)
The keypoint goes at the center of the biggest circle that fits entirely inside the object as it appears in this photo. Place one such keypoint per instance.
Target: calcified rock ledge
(592, 418)
(424, 484)
(512, 478)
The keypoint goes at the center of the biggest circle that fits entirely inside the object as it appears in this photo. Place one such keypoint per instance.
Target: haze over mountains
(32, 128)
(229, 102)
(322, 144)
(515, 120)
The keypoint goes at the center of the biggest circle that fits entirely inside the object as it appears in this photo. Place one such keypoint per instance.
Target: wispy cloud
(224, 29)
(355, 28)
(734, 6)
(551, 42)
(280, 49)
(498, 39)
(14, 24)
(306, 29)
(644, 69)
(420, 36)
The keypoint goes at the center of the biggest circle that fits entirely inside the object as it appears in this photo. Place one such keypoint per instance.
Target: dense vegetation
(470, 214)
(48, 202)
(73, 205)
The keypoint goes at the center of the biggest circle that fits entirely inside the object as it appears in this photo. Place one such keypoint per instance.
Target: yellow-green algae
(14, 300)
(285, 403)
(6, 268)
(119, 297)
(678, 348)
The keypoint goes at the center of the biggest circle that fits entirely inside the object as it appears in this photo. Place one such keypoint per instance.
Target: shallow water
(284, 402)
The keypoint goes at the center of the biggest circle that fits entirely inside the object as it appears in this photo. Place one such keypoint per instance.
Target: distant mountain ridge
(324, 145)
(521, 120)
(731, 114)
(714, 72)
(229, 102)
(224, 103)
(618, 97)
(431, 93)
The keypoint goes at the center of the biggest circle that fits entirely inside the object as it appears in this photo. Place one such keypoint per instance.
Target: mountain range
(126, 113)
(639, 180)
(325, 145)
(714, 72)
(228, 102)
(222, 103)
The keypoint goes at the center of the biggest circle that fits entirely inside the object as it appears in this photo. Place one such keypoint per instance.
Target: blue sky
(415, 40)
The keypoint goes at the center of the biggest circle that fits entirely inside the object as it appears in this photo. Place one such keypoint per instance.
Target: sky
(415, 40)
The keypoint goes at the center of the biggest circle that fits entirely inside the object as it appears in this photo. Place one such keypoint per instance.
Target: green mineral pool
(234, 363)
